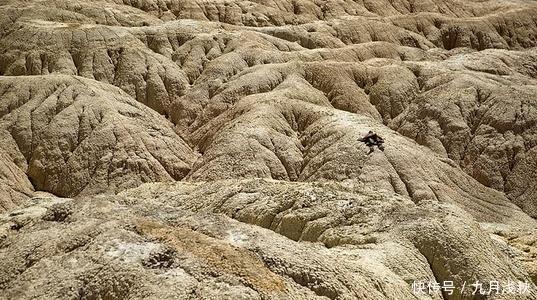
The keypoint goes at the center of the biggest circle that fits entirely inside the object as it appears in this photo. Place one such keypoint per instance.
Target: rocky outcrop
(200, 240)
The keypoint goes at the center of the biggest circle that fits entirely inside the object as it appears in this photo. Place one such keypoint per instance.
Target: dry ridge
(191, 149)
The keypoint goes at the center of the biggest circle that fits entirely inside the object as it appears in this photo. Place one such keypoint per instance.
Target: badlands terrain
(194, 149)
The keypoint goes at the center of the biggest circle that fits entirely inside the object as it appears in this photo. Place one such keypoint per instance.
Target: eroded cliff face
(209, 149)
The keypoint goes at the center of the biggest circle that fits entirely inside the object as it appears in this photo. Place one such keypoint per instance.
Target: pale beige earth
(175, 149)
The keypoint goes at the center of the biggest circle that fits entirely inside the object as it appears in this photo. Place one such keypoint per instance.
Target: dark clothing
(371, 139)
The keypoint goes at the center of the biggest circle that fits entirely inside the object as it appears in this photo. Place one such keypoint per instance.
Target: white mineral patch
(132, 252)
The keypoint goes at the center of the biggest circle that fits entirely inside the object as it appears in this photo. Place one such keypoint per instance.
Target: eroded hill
(256, 108)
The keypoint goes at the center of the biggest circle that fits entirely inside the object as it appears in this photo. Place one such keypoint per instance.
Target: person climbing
(371, 140)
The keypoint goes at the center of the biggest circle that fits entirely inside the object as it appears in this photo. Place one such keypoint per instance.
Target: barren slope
(98, 97)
